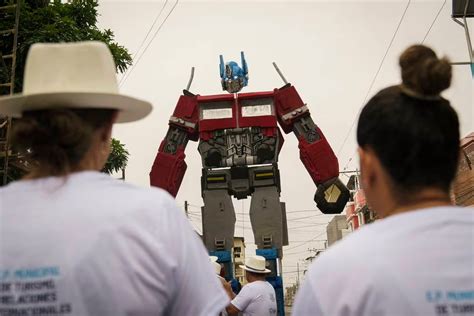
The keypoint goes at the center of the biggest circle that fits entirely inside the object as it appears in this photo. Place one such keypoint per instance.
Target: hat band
(263, 270)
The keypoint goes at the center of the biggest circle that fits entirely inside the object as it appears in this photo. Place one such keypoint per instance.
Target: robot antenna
(190, 79)
(279, 72)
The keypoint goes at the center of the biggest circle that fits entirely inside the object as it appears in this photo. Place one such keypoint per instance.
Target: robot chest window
(245, 108)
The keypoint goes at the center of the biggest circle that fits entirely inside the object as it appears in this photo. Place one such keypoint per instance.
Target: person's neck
(426, 198)
(254, 279)
(88, 163)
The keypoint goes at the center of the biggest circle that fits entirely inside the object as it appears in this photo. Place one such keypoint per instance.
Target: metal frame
(11, 84)
(465, 25)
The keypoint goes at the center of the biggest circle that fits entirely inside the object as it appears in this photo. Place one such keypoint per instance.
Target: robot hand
(331, 196)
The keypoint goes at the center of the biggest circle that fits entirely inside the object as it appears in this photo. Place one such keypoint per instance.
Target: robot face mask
(233, 81)
(233, 78)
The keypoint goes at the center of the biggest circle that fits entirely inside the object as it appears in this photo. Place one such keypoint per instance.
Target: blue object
(233, 77)
(236, 286)
(268, 254)
(472, 70)
(271, 256)
(224, 257)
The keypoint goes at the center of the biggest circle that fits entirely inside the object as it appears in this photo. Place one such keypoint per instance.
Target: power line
(241, 225)
(295, 253)
(423, 41)
(375, 77)
(303, 217)
(434, 21)
(307, 225)
(309, 240)
(124, 78)
(147, 34)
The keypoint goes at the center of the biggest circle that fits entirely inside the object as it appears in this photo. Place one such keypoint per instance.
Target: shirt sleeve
(306, 302)
(243, 299)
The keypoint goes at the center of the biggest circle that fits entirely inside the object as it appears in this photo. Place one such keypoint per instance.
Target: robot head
(233, 78)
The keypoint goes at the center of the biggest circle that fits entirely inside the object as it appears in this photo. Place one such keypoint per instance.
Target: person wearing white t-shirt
(74, 241)
(218, 268)
(257, 297)
(418, 259)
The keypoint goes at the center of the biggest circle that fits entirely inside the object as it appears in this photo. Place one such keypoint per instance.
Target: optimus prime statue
(239, 143)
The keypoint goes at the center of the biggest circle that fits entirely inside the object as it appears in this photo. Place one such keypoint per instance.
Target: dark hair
(411, 128)
(55, 141)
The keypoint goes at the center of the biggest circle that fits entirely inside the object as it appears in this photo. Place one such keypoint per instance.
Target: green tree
(56, 21)
(118, 157)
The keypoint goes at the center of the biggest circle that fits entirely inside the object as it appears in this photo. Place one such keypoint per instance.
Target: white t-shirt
(414, 263)
(256, 299)
(92, 245)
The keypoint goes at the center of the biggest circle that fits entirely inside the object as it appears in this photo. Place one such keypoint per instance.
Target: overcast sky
(330, 50)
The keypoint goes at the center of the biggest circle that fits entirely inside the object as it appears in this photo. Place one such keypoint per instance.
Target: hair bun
(423, 72)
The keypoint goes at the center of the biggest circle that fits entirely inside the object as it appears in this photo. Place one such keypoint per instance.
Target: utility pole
(186, 208)
(298, 275)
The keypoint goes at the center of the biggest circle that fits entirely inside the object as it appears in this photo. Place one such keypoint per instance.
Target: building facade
(238, 254)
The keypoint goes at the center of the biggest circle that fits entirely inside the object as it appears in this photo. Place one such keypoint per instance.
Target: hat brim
(130, 109)
(253, 270)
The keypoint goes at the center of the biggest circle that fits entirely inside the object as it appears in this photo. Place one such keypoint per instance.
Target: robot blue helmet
(233, 77)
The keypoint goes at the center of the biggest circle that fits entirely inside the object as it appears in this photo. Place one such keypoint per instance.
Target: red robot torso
(238, 130)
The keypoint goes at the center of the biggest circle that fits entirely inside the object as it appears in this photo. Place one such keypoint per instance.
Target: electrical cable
(146, 36)
(434, 21)
(375, 77)
(122, 82)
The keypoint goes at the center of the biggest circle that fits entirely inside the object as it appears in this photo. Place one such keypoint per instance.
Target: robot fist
(331, 196)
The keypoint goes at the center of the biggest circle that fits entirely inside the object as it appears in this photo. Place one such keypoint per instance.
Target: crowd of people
(75, 241)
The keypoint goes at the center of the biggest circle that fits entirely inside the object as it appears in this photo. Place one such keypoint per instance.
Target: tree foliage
(118, 157)
(56, 21)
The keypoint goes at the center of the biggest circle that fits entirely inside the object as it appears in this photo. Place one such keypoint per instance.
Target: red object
(188, 111)
(351, 215)
(287, 101)
(226, 111)
(319, 159)
(168, 170)
(359, 199)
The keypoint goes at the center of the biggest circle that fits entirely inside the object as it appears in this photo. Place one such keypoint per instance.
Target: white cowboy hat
(72, 75)
(255, 264)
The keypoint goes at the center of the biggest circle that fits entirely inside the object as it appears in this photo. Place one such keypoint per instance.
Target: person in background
(419, 258)
(75, 241)
(257, 297)
(218, 269)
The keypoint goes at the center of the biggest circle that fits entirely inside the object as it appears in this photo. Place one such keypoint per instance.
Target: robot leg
(218, 222)
(268, 217)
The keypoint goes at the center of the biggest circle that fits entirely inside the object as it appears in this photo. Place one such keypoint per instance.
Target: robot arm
(169, 166)
(315, 151)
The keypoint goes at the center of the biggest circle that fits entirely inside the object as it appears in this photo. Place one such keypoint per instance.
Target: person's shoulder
(258, 286)
(126, 202)
(353, 249)
(125, 191)
(251, 286)
(376, 239)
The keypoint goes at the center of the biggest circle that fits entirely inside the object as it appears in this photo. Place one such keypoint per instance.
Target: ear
(366, 160)
(106, 131)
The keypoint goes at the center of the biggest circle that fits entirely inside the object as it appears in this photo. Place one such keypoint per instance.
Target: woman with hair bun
(418, 259)
(74, 241)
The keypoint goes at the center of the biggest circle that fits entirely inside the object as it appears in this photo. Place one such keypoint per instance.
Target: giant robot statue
(239, 143)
